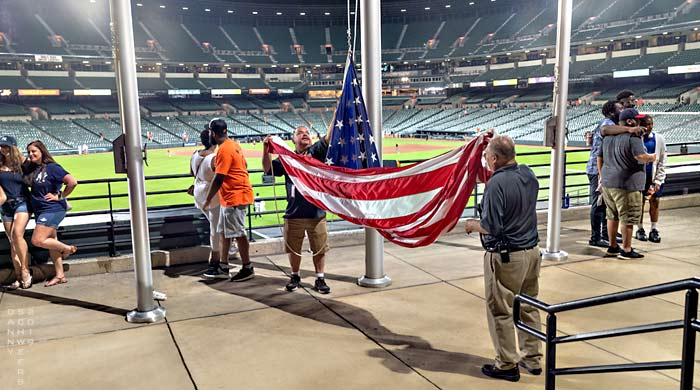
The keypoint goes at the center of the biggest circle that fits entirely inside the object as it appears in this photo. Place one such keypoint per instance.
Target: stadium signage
(683, 69)
(285, 91)
(5, 92)
(631, 73)
(47, 58)
(183, 92)
(259, 91)
(539, 80)
(501, 83)
(92, 92)
(477, 84)
(234, 91)
(38, 92)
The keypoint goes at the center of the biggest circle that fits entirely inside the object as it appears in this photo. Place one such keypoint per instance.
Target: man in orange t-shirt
(235, 194)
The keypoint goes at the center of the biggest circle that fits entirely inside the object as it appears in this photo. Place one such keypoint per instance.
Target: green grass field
(101, 166)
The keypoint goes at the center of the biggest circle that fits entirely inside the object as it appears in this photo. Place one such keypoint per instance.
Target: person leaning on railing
(508, 228)
(49, 205)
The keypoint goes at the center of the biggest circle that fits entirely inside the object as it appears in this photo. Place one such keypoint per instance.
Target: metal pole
(551, 353)
(689, 336)
(125, 61)
(370, 20)
(561, 92)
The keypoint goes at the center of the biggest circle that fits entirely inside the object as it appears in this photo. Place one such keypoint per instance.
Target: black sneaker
(215, 272)
(641, 235)
(654, 236)
(321, 286)
(599, 243)
(532, 371)
(294, 282)
(612, 251)
(631, 255)
(244, 274)
(512, 375)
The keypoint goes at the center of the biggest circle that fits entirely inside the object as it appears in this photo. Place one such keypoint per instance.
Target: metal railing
(580, 190)
(689, 324)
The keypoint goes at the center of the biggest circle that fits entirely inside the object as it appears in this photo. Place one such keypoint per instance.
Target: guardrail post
(250, 226)
(551, 352)
(476, 200)
(112, 233)
(689, 336)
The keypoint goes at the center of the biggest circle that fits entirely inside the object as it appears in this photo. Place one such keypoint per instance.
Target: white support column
(125, 65)
(558, 169)
(370, 21)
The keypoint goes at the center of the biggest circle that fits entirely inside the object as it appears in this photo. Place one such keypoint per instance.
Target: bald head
(500, 152)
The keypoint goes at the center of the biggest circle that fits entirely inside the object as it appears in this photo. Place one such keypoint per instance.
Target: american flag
(352, 141)
(410, 206)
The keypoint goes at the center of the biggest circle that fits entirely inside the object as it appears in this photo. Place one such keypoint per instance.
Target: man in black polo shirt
(301, 216)
(508, 227)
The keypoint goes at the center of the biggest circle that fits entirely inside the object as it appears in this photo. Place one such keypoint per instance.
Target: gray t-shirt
(620, 168)
(509, 207)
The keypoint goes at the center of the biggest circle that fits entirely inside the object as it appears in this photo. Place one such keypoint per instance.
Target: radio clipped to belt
(501, 247)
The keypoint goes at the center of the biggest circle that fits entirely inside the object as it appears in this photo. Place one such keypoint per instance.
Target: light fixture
(302, 13)
(405, 62)
(93, 1)
(162, 6)
(427, 61)
(86, 62)
(255, 12)
(296, 66)
(247, 65)
(589, 43)
(185, 8)
(427, 8)
(205, 64)
(278, 13)
(108, 62)
(637, 36)
(664, 33)
(207, 10)
(181, 64)
(230, 11)
(139, 5)
(448, 6)
(508, 53)
(471, 3)
(274, 66)
(403, 10)
(327, 13)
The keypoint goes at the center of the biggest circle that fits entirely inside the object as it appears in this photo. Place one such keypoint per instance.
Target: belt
(511, 250)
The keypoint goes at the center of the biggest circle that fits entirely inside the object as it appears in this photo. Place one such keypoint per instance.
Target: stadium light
(637, 36)
(327, 13)
(230, 11)
(185, 8)
(427, 8)
(471, 3)
(207, 10)
(448, 6)
(108, 62)
(139, 5)
(159, 63)
(255, 12)
(664, 33)
(278, 13)
(162, 6)
(302, 13)
(403, 10)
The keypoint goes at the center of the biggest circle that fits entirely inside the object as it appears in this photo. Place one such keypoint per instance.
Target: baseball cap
(217, 125)
(630, 113)
(8, 140)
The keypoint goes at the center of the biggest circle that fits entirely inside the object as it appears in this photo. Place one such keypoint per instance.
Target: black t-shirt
(297, 206)
(509, 207)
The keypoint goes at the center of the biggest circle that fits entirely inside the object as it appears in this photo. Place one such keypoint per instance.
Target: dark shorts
(50, 218)
(650, 183)
(10, 207)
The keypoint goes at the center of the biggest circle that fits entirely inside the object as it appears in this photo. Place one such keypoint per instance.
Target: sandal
(14, 286)
(66, 254)
(55, 281)
(26, 284)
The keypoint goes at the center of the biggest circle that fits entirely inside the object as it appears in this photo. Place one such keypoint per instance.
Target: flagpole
(561, 92)
(128, 95)
(370, 20)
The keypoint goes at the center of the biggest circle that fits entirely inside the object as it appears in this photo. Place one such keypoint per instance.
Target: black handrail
(689, 324)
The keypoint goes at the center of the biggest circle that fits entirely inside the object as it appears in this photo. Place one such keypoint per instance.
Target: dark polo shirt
(508, 207)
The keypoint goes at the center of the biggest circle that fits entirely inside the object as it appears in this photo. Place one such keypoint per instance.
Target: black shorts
(649, 183)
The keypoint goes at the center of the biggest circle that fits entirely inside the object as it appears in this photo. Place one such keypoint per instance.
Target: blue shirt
(48, 180)
(592, 166)
(13, 185)
(650, 145)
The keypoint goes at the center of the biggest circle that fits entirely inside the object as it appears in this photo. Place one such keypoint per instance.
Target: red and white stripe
(410, 206)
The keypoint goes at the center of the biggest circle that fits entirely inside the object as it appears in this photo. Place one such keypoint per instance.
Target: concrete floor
(426, 331)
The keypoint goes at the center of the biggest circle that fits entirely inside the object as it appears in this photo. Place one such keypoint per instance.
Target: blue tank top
(650, 145)
(13, 185)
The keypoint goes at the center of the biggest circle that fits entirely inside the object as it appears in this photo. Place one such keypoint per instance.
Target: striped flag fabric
(410, 206)
(352, 141)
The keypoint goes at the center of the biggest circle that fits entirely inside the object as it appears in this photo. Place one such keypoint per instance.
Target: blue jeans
(11, 207)
(599, 225)
(50, 218)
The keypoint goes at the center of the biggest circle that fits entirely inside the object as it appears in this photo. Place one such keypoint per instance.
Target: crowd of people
(33, 184)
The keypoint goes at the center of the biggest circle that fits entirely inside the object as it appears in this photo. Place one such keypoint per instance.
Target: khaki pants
(502, 282)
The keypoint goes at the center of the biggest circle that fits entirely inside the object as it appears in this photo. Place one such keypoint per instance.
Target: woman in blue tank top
(15, 212)
(48, 203)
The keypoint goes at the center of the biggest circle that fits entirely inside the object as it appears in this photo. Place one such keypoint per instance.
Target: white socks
(653, 225)
(320, 275)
